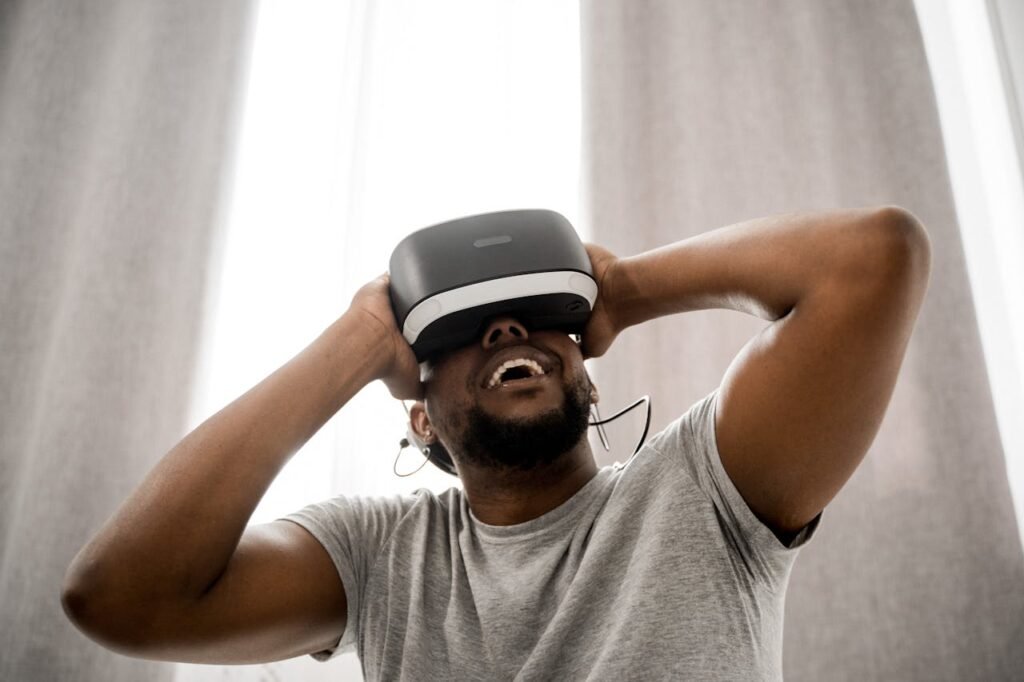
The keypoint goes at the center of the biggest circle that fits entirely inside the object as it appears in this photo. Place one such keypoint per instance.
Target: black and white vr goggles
(449, 279)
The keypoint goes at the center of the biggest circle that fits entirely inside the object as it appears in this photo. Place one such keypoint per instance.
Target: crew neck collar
(547, 522)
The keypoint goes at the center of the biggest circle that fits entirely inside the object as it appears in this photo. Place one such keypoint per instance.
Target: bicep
(803, 400)
(279, 597)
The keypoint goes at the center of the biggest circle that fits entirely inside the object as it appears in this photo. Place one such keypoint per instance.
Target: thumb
(598, 335)
(594, 345)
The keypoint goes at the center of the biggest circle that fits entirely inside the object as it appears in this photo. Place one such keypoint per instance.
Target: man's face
(523, 423)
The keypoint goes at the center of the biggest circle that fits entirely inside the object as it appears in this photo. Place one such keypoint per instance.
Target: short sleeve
(353, 530)
(693, 437)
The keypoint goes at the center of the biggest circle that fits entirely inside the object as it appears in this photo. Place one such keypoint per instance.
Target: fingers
(403, 380)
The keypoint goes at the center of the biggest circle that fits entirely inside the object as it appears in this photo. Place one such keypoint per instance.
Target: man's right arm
(171, 576)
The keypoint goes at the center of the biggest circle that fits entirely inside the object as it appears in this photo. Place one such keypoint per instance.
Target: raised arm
(803, 400)
(171, 576)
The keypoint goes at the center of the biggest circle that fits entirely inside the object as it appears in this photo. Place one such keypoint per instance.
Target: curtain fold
(116, 125)
(702, 114)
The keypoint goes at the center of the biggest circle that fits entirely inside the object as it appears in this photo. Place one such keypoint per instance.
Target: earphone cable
(647, 424)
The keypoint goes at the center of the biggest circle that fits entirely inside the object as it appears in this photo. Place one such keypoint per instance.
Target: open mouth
(512, 383)
(516, 373)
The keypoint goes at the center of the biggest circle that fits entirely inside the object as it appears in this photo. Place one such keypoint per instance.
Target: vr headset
(448, 280)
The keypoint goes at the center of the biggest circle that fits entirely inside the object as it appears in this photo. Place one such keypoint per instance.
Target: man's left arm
(803, 400)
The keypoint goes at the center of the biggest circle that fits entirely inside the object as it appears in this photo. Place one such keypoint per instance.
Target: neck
(507, 497)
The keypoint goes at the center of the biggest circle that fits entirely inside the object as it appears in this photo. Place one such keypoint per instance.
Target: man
(545, 567)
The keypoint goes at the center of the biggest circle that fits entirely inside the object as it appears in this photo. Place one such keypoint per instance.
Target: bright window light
(987, 185)
(362, 122)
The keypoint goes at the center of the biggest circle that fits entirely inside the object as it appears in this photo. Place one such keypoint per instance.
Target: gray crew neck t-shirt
(655, 569)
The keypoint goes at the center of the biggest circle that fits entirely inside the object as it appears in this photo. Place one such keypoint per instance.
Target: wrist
(624, 300)
(363, 339)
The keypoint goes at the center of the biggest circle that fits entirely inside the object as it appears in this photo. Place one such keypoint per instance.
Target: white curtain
(116, 122)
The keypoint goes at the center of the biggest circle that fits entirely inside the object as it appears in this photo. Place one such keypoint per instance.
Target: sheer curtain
(116, 120)
(363, 122)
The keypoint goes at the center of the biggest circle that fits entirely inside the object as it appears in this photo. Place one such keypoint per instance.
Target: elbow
(881, 250)
(101, 621)
(81, 608)
(78, 594)
(904, 244)
(875, 253)
(74, 597)
(78, 608)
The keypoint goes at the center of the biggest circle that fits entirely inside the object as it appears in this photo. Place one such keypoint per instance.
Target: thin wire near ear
(404, 443)
(600, 427)
(647, 425)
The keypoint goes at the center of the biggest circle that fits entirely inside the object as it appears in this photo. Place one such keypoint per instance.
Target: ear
(421, 422)
(594, 397)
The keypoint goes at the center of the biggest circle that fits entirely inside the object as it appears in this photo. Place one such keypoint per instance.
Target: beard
(527, 443)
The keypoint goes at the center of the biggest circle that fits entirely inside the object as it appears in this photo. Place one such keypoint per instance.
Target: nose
(503, 330)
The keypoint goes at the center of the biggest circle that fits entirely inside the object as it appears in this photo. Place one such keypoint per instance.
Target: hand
(603, 326)
(400, 371)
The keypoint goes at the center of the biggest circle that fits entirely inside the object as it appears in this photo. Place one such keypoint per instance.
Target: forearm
(175, 534)
(762, 266)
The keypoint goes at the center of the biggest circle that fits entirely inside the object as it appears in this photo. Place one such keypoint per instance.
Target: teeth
(534, 367)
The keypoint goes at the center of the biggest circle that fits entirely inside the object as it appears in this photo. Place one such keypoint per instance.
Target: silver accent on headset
(505, 288)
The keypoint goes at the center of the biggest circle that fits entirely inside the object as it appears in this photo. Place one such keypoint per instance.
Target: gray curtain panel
(116, 122)
(701, 114)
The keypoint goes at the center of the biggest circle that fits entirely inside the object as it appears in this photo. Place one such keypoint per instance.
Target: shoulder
(683, 443)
